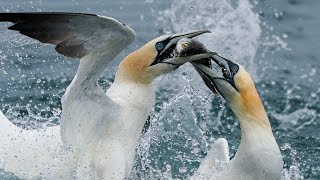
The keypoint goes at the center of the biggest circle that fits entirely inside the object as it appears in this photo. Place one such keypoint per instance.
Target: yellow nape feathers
(248, 104)
(137, 67)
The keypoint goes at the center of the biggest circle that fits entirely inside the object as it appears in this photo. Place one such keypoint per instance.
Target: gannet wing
(215, 161)
(74, 34)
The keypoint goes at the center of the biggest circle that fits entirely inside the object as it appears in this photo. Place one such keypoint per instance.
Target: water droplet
(183, 169)
(285, 36)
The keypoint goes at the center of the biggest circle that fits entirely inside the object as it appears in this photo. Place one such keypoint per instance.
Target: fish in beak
(215, 70)
(167, 53)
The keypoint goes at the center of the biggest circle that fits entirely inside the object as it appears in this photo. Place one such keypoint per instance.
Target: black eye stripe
(233, 67)
(160, 46)
(163, 44)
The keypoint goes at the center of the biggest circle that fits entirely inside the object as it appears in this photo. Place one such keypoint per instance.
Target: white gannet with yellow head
(258, 155)
(101, 129)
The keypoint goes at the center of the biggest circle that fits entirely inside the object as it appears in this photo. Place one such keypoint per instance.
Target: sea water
(277, 42)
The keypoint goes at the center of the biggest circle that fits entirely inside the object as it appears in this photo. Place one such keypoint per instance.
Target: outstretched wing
(77, 35)
(74, 34)
(216, 159)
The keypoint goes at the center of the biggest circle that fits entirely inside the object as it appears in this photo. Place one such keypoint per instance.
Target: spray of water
(235, 27)
(181, 130)
(187, 117)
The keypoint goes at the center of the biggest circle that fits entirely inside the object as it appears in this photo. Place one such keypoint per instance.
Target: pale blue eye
(159, 46)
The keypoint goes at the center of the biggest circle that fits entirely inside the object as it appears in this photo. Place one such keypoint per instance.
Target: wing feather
(74, 34)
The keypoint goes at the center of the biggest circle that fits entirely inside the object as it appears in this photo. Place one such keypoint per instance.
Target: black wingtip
(11, 28)
(4, 17)
(16, 17)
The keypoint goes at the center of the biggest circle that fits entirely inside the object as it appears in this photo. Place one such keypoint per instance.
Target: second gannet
(102, 129)
(258, 155)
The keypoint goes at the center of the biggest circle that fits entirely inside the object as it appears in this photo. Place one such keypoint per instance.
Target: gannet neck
(258, 154)
(136, 101)
(135, 67)
(253, 116)
(247, 104)
(254, 123)
(253, 134)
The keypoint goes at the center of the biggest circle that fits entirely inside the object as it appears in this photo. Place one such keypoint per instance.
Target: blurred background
(277, 42)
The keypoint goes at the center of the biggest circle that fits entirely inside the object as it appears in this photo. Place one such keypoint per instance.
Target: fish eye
(159, 46)
(226, 73)
(184, 45)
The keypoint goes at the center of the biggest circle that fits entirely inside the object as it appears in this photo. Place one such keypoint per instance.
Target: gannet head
(155, 58)
(230, 80)
(236, 86)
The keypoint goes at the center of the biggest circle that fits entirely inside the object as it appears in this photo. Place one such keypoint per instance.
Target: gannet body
(100, 130)
(118, 137)
(258, 155)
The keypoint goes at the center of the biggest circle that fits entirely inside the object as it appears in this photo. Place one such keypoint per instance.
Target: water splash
(27, 117)
(236, 34)
(173, 137)
(297, 119)
(217, 16)
(293, 171)
(235, 27)
(182, 130)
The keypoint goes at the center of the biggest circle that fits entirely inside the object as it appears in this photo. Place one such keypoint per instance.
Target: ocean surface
(278, 41)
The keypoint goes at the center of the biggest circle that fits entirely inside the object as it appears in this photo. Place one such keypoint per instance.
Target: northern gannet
(102, 129)
(258, 155)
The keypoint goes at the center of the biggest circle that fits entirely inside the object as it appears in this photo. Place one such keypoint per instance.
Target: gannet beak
(221, 77)
(167, 50)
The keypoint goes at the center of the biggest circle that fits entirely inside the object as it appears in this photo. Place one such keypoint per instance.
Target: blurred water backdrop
(277, 41)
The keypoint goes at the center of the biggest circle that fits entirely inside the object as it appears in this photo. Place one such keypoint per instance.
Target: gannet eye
(233, 68)
(159, 46)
